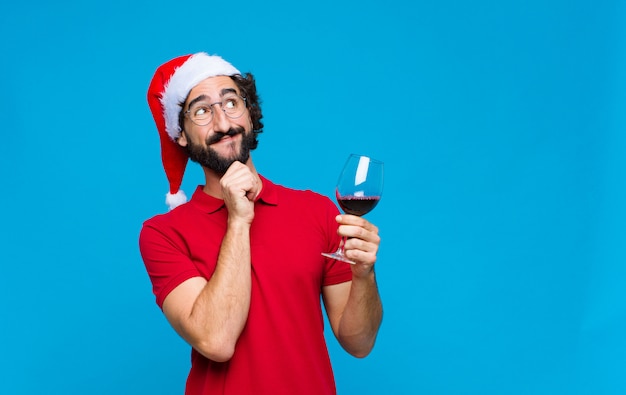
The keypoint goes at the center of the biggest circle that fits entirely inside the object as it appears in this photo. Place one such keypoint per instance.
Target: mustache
(220, 135)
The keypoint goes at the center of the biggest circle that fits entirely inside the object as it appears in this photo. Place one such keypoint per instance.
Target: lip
(226, 139)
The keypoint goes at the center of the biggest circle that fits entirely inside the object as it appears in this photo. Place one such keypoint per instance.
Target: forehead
(213, 87)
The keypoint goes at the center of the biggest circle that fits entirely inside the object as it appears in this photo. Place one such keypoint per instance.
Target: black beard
(209, 158)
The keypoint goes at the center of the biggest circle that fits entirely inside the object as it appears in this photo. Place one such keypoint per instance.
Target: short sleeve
(166, 262)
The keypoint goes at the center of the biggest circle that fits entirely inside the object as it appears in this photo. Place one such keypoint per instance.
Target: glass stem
(340, 250)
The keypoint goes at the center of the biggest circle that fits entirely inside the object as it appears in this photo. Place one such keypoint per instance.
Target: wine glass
(359, 189)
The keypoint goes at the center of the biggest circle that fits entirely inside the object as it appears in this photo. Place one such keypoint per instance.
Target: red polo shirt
(282, 348)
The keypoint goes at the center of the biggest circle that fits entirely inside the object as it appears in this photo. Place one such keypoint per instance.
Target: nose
(220, 120)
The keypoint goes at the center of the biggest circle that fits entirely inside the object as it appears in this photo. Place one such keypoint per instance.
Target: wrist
(363, 273)
(239, 223)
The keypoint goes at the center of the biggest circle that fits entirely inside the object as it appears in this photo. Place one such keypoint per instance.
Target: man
(238, 270)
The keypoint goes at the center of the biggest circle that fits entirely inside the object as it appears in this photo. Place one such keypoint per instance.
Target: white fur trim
(197, 68)
(175, 200)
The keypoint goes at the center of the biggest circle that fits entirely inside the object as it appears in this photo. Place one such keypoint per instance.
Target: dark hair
(247, 88)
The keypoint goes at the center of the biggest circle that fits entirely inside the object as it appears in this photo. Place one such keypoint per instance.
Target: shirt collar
(210, 204)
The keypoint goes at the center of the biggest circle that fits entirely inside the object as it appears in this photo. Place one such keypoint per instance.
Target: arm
(210, 315)
(354, 308)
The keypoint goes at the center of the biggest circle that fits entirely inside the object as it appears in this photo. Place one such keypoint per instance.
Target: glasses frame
(210, 105)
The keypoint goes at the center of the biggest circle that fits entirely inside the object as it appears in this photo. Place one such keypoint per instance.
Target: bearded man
(237, 270)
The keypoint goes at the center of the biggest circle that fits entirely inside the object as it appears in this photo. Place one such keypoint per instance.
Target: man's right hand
(240, 186)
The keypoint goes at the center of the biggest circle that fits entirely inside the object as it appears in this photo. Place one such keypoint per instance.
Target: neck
(212, 185)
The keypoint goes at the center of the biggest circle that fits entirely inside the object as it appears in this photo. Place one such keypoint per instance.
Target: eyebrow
(205, 97)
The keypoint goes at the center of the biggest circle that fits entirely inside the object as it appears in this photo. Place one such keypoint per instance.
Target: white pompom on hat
(167, 92)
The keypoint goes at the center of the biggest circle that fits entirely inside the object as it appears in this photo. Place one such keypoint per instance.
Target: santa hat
(167, 92)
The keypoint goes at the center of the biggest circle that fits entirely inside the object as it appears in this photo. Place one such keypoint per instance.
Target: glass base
(338, 255)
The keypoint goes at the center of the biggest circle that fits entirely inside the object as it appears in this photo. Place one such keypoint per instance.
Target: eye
(201, 111)
(230, 103)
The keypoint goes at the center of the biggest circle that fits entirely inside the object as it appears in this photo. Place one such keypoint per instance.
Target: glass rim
(368, 157)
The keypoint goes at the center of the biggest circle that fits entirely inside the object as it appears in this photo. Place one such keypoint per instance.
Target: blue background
(501, 125)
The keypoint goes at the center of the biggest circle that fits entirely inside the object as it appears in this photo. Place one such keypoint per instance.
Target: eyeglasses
(201, 113)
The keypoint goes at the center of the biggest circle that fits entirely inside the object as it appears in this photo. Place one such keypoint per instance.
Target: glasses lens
(233, 106)
(201, 114)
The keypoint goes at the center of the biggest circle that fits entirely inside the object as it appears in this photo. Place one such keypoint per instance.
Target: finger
(362, 245)
(348, 219)
(240, 181)
(358, 232)
(361, 257)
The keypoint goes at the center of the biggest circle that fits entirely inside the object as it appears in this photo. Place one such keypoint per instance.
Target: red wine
(358, 205)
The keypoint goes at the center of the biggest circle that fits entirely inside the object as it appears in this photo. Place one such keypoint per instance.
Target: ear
(182, 139)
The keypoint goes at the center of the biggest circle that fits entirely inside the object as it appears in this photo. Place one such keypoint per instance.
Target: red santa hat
(167, 92)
